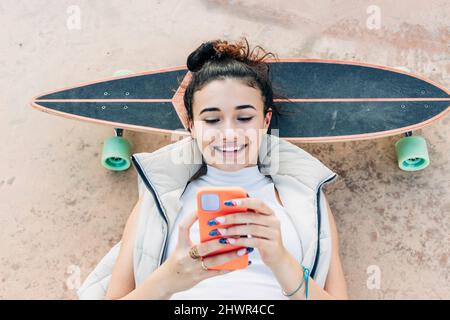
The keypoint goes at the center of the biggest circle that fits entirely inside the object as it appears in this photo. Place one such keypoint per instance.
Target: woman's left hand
(262, 225)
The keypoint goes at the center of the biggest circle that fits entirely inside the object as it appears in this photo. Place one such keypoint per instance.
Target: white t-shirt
(257, 280)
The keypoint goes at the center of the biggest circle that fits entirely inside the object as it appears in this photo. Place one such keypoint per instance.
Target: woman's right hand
(185, 272)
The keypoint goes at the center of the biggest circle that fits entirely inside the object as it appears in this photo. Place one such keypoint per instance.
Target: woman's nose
(230, 134)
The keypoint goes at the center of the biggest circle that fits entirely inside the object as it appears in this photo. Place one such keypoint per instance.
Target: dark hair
(218, 60)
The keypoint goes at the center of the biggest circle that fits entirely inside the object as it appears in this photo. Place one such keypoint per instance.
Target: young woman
(291, 237)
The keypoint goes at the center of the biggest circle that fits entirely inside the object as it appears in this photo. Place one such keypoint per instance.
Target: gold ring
(193, 252)
(203, 265)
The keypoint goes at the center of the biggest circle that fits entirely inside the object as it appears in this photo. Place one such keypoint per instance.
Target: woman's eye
(216, 120)
(211, 120)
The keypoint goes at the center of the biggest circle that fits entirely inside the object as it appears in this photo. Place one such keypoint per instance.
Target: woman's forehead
(228, 93)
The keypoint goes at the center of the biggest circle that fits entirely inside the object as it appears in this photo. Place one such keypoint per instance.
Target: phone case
(210, 204)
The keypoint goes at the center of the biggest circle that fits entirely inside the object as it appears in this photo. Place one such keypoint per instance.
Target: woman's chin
(232, 164)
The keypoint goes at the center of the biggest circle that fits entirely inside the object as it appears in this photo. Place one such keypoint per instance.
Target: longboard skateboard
(324, 101)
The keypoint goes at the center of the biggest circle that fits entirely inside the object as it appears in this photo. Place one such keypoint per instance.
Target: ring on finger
(193, 252)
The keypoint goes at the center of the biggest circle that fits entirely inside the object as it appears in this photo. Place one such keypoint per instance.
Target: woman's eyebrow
(244, 106)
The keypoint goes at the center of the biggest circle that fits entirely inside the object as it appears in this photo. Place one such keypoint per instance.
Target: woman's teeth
(230, 149)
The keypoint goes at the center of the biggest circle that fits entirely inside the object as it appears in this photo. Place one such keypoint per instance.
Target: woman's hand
(183, 272)
(262, 225)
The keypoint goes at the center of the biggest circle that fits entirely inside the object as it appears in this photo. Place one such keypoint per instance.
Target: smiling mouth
(230, 150)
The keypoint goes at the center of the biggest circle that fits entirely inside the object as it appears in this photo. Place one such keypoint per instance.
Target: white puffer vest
(163, 176)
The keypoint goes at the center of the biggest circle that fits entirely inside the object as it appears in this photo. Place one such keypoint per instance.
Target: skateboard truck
(118, 131)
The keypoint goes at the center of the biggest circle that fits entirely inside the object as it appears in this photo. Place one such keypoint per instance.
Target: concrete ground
(60, 211)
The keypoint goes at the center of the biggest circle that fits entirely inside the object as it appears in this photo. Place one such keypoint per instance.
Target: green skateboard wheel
(116, 154)
(412, 153)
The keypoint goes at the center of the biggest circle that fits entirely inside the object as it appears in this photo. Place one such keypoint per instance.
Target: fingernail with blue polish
(229, 203)
(223, 240)
(214, 232)
(212, 222)
(249, 262)
(216, 221)
(249, 249)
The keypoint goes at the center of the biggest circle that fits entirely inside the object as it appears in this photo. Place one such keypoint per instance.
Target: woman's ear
(267, 118)
(191, 128)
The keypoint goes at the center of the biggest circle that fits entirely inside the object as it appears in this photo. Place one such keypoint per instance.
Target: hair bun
(199, 56)
(215, 50)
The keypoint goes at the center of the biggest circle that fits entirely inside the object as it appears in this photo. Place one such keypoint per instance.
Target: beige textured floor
(60, 211)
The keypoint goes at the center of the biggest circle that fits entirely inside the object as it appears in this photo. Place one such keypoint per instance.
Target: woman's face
(229, 123)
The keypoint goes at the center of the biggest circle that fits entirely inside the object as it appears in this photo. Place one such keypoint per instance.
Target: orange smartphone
(210, 204)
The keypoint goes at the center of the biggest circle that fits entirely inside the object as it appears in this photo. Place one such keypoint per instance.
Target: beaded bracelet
(305, 279)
